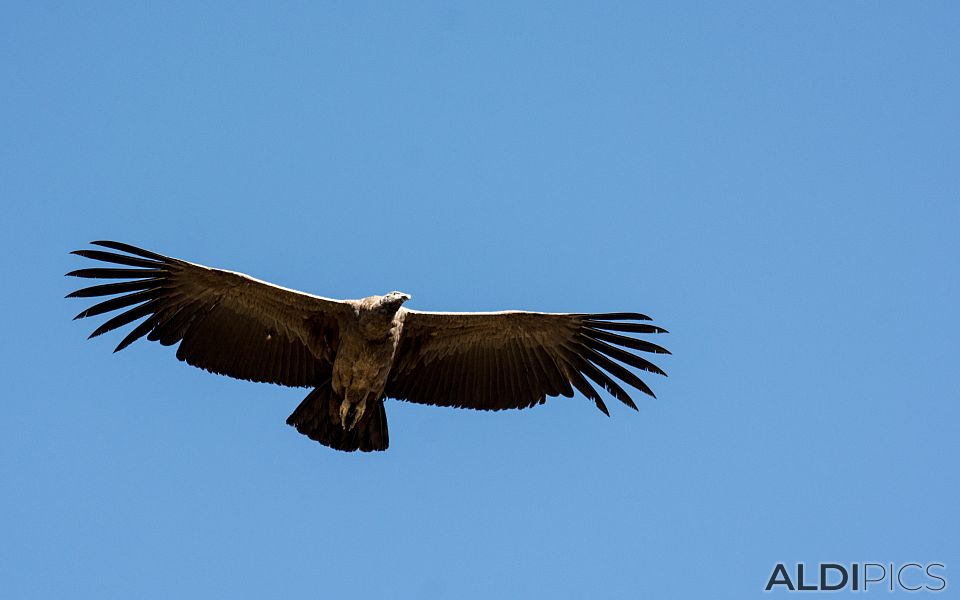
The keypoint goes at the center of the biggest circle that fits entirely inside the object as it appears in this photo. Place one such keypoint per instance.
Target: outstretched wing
(493, 361)
(225, 322)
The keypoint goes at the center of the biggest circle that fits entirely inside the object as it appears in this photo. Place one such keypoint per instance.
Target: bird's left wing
(515, 359)
(225, 322)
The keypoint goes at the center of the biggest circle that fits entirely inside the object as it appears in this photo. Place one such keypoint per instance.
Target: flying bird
(356, 353)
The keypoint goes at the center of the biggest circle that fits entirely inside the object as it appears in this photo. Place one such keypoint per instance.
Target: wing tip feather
(601, 405)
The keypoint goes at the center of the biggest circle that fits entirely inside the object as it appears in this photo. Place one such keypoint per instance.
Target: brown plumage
(356, 353)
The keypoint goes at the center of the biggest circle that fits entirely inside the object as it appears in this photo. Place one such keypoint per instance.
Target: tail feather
(318, 418)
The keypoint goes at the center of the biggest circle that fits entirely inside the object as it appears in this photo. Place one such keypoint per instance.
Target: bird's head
(394, 300)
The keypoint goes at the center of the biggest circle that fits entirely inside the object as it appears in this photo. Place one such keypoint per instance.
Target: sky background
(777, 183)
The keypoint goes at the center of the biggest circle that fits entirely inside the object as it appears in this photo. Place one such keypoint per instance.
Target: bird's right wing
(515, 359)
(225, 322)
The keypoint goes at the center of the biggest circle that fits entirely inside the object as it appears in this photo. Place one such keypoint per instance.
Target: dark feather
(134, 250)
(584, 387)
(119, 259)
(104, 273)
(629, 327)
(108, 289)
(138, 332)
(624, 316)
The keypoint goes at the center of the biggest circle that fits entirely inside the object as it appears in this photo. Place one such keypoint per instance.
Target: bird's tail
(318, 418)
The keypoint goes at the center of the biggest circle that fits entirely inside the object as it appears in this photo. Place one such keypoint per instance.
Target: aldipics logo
(858, 577)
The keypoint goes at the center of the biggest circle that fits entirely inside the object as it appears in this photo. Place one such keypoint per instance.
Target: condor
(356, 353)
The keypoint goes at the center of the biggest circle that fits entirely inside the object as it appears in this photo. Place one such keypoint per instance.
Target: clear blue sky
(777, 183)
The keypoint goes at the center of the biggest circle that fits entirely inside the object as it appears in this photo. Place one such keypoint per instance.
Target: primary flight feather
(356, 353)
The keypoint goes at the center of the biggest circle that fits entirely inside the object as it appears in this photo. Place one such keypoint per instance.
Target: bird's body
(364, 358)
(356, 353)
